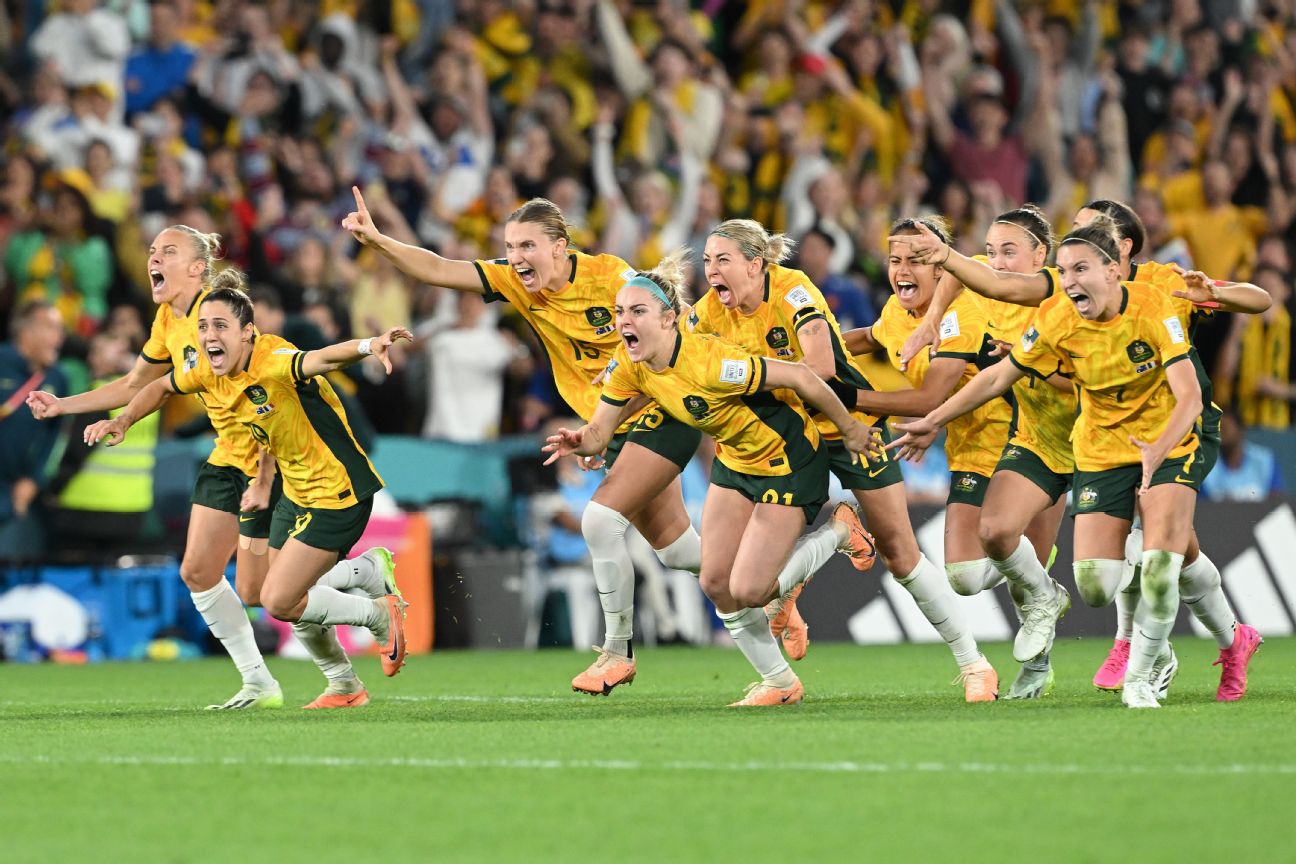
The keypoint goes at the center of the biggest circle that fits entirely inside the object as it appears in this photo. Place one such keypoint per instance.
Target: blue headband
(641, 281)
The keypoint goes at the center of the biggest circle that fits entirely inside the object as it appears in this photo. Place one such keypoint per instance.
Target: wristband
(364, 347)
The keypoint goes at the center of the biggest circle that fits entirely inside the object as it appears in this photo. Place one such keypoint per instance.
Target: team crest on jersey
(257, 394)
(1087, 499)
(600, 319)
(966, 483)
(190, 358)
(777, 337)
(696, 406)
(1139, 351)
(1012, 453)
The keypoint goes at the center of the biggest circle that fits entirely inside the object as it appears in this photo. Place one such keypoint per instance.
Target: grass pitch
(487, 756)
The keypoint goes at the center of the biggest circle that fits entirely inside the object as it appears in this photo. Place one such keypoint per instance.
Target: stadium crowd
(646, 122)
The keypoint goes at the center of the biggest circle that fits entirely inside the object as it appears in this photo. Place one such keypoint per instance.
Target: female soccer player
(974, 444)
(770, 476)
(1135, 435)
(777, 311)
(1207, 601)
(275, 392)
(567, 297)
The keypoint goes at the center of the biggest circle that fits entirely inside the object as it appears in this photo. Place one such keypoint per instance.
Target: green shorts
(1115, 490)
(806, 487)
(1026, 462)
(221, 487)
(660, 433)
(862, 475)
(1209, 435)
(967, 487)
(332, 530)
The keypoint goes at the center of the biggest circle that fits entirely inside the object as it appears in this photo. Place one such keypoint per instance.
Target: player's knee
(1097, 580)
(750, 596)
(196, 577)
(1160, 575)
(249, 594)
(715, 586)
(998, 538)
(602, 527)
(278, 602)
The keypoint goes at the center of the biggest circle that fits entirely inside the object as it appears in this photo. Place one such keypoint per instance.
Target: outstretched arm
(423, 264)
(1024, 289)
(344, 354)
(942, 376)
(988, 383)
(1188, 405)
(144, 403)
(1222, 294)
(112, 395)
(818, 395)
(592, 438)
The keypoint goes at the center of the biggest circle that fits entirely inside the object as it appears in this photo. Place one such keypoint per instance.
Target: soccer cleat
(859, 545)
(980, 681)
(604, 674)
(346, 693)
(392, 637)
(787, 624)
(1234, 659)
(1039, 623)
(385, 564)
(1138, 694)
(763, 695)
(1164, 671)
(251, 697)
(1111, 674)
(1031, 683)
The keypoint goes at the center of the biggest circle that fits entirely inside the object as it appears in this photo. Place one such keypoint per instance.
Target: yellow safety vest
(117, 479)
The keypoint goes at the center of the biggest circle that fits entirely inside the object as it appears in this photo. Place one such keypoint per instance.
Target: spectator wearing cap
(849, 303)
(85, 43)
(27, 363)
(160, 67)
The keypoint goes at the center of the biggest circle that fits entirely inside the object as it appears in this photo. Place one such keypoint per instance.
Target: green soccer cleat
(1032, 683)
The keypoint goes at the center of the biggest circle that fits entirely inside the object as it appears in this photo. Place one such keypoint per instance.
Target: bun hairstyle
(1103, 234)
(1128, 224)
(670, 276)
(205, 246)
(1031, 219)
(227, 287)
(937, 224)
(755, 242)
(547, 215)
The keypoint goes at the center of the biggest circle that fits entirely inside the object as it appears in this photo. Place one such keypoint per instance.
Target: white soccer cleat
(383, 580)
(1164, 671)
(1039, 623)
(252, 697)
(1138, 694)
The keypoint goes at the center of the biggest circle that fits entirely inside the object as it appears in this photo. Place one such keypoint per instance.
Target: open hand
(919, 435)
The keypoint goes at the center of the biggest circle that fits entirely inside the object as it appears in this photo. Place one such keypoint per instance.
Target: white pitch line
(632, 765)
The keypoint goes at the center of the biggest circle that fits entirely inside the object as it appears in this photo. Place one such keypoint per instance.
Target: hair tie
(642, 281)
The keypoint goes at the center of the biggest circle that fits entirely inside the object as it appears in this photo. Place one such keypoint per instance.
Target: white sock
(325, 605)
(223, 611)
(685, 553)
(972, 577)
(1156, 612)
(1199, 588)
(1023, 570)
(1127, 601)
(604, 530)
(360, 572)
(931, 590)
(750, 629)
(321, 643)
(811, 553)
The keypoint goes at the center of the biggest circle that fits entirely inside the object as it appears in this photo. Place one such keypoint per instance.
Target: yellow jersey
(791, 301)
(174, 341)
(1043, 414)
(974, 441)
(1119, 366)
(298, 419)
(715, 386)
(576, 325)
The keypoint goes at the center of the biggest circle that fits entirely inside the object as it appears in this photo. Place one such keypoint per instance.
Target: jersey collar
(1124, 299)
(1134, 268)
(765, 298)
(675, 354)
(571, 280)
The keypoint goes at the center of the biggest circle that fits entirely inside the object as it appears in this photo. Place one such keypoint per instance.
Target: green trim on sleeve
(175, 385)
(156, 362)
(1173, 360)
(1031, 372)
(758, 366)
(805, 316)
(619, 403)
(489, 294)
(298, 362)
(967, 357)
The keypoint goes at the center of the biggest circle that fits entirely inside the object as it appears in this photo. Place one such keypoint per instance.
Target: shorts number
(584, 349)
(772, 497)
(650, 420)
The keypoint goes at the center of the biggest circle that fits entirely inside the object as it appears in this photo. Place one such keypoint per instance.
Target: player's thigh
(1011, 503)
(886, 515)
(766, 544)
(1100, 535)
(635, 480)
(962, 542)
(296, 568)
(209, 545)
(725, 515)
(1168, 517)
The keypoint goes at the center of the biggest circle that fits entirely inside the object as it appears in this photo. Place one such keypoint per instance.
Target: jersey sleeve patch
(799, 297)
(627, 275)
(733, 371)
(949, 326)
(1175, 328)
(1029, 338)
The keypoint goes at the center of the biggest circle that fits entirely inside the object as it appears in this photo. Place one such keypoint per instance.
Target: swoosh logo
(873, 474)
(535, 308)
(786, 698)
(1183, 480)
(246, 518)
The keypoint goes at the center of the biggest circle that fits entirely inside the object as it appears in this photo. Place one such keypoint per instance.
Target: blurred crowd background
(647, 121)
